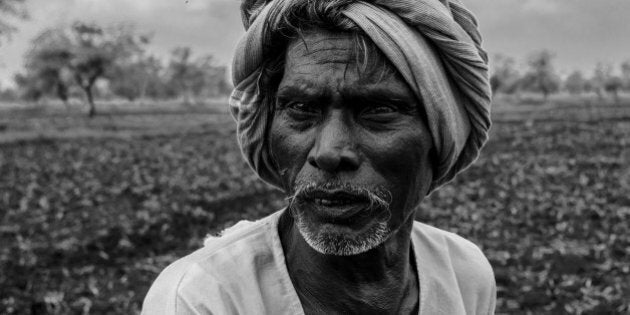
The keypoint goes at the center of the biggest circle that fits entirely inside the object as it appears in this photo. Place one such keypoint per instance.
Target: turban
(434, 44)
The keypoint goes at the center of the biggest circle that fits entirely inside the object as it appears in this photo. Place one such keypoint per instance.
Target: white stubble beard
(337, 243)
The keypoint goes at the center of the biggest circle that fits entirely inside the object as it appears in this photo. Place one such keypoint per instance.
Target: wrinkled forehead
(323, 47)
(338, 50)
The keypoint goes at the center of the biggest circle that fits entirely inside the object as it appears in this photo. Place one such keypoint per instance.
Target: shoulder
(472, 271)
(459, 249)
(202, 279)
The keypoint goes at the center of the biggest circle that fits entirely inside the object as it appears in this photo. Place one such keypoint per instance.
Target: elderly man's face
(345, 132)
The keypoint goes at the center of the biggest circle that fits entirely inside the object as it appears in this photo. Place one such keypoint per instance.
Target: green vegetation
(88, 222)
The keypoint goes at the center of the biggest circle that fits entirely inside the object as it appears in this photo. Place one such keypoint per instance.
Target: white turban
(434, 44)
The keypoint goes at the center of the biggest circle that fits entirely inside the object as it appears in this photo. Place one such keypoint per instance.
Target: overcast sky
(580, 32)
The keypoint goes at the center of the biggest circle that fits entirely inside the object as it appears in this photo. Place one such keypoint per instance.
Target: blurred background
(118, 154)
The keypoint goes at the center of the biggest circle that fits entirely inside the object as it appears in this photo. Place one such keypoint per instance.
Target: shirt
(244, 272)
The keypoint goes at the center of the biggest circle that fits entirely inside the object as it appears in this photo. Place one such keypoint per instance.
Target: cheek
(289, 149)
(404, 161)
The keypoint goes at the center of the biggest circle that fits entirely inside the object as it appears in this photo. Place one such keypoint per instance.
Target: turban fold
(434, 44)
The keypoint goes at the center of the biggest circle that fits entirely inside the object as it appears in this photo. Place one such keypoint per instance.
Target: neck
(381, 280)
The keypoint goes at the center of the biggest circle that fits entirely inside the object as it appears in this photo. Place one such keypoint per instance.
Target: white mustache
(378, 197)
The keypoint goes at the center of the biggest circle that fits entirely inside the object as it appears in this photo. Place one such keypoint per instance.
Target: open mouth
(338, 206)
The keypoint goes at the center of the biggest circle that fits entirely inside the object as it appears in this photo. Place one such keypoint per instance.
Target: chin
(342, 237)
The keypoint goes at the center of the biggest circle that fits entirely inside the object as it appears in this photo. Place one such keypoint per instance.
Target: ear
(250, 9)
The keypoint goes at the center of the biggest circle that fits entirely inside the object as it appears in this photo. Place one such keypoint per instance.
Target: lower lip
(347, 214)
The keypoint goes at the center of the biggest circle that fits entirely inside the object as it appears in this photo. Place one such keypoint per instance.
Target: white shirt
(244, 272)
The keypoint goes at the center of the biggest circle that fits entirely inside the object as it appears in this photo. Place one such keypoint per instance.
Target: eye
(379, 110)
(297, 106)
(301, 108)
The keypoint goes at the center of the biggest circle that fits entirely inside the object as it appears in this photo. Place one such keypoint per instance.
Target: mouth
(338, 207)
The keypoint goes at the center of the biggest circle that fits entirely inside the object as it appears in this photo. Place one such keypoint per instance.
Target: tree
(47, 67)
(96, 51)
(10, 9)
(27, 89)
(612, 86)
(541, 76)
(575, 83)
(7, 94)
(600, 76)
(625, 75)
(195, 77)
(605, 81)
(505, 78)
(79, 55)
(182, 72)
(139, 78)
(211, 79)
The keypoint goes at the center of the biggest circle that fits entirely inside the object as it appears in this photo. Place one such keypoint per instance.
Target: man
(356, 109)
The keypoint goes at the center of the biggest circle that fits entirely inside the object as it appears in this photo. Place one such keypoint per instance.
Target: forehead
(321, 47)
(338, 60)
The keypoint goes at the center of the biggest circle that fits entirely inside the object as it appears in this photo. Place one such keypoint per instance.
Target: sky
(580, 32)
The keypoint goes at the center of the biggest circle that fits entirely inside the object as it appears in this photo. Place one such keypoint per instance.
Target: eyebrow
(305, 91)
(374, 93)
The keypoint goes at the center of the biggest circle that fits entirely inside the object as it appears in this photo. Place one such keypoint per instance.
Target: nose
(335, 148)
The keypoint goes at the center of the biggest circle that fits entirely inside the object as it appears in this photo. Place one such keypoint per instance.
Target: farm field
(91, 211)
